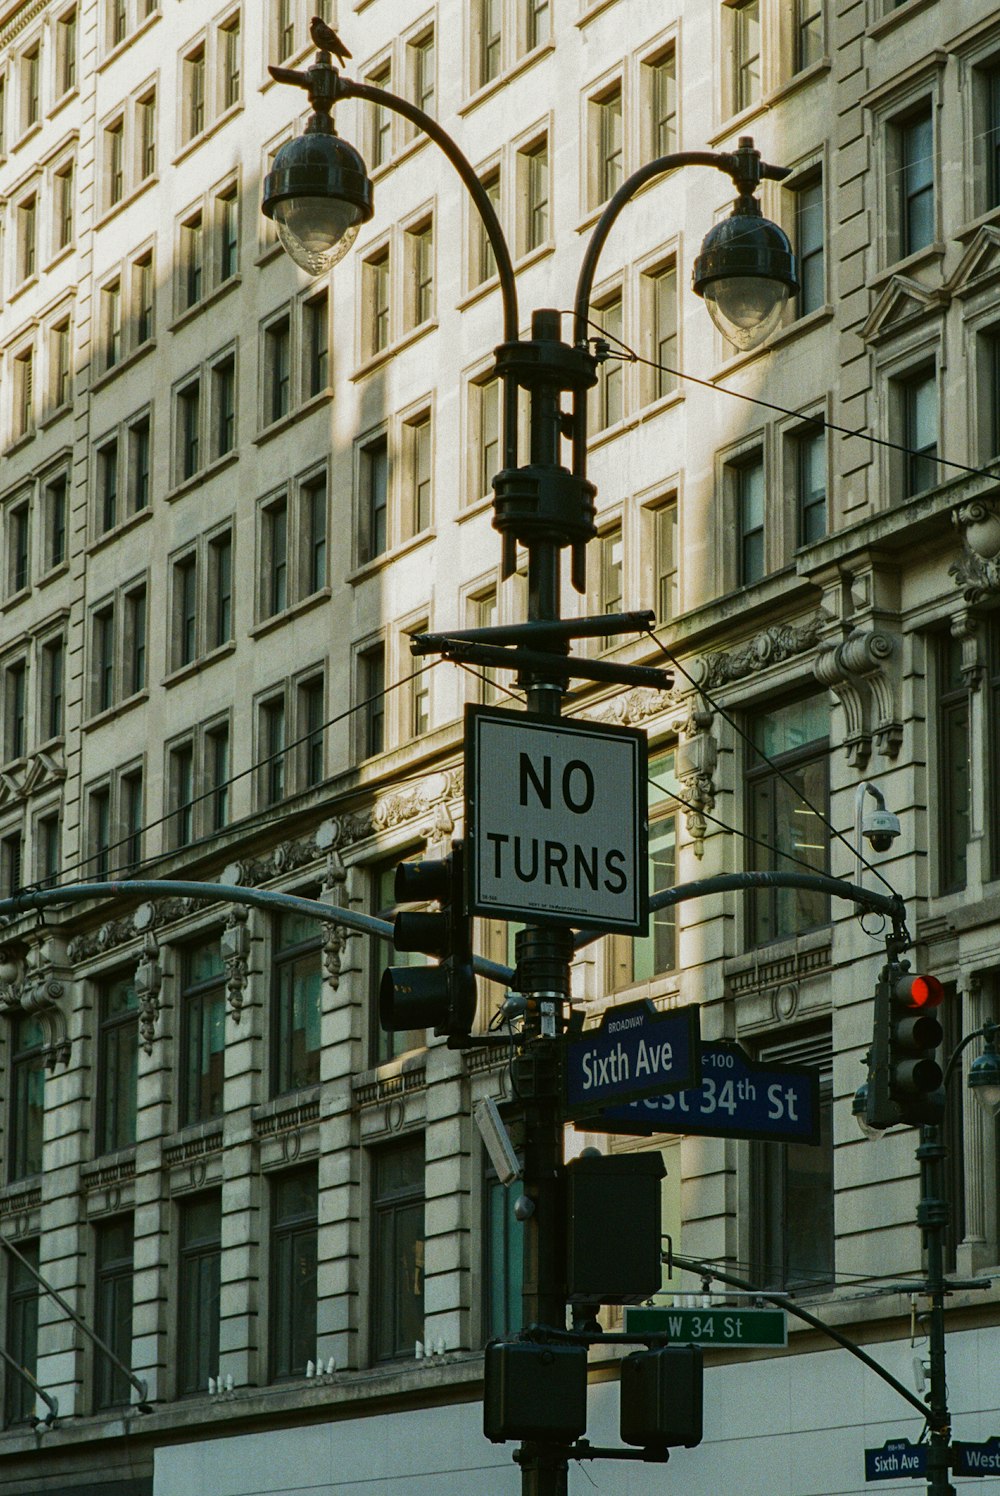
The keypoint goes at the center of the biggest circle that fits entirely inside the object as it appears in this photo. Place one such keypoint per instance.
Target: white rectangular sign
(556, 821)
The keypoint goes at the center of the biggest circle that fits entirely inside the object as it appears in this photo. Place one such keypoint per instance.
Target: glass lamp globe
(745, 273)
(318, 193)
(859, 1109)
(984, 1078)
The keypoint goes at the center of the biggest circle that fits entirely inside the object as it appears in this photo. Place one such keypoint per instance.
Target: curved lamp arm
(988, 1030)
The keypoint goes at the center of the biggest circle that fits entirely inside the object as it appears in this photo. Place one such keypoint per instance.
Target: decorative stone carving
(148, 981)
(235, 943)
(413, 801)
(633, 707)
(33, 979)
(334, 935)
(697, 755)
(779, 642)
(861, 672)
(38, 772)
(114, 932)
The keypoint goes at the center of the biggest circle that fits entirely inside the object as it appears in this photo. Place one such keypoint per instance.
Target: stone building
(229, 492)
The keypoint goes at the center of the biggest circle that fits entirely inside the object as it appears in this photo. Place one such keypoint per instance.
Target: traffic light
(441, 997)
(905, 1079)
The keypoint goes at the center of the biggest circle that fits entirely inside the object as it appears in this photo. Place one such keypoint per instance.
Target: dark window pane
(398, 1250)
(113, 1309)
(22, 1333)
(198, 1293)
(203, 1016)
(27, 1098)
(118, 1065)
(293, 1272)
(297, 998)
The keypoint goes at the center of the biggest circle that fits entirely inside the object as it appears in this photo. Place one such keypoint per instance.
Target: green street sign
(748, 1328)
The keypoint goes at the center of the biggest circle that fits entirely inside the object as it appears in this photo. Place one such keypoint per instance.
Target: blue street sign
(896, 1457)
(635, 1050)
(738, 1097)
(978, 1459)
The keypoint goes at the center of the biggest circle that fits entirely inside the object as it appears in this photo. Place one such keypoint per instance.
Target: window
(316, 335)
(379, 119)
(24, 394)
(188, 430)
(809, 246)
(791, 1186)
(419, 302)
(485, 445)
(418, 453)
(30, 78)
(117, 1064)
(277, 369)
(276, 558)
(142, 299)
(21, 1340)
(193, 71)
(487, 19)
(296, 1004)
(131, 806)
(606, 145)
(657, 951)
(103, 656)
(217, 771)
(284, 28)
(227, 205)
(111, 317)
(397, 1249)
(220, 589)
(311, 722)
(375, 291)
(374, 499)
(611, 579)
(371, 700)
(66, 52)
(15, 708)
(11, 863)
(135, 641)
(990, 108)
(53, 687)
(483, 261)
(3, 114)
(659, 295)
(65, 197)
(660, 104)
(202, 1032)
(481, 611)
(533, 196)
(181, 789)
(146, 111)
(61, 372)
(48, 849)
(746, 54)
(503, 1258)
(665, 554)
(916, 181)
(608, 398)
(55, 492)
(113, 1308)
(114, 161)
(198, 1291)
(27, 233)
(117, 22)
(19, 548)
(784, 812)
(919, 402)
(185, 632)
(192, 259)
(138, 438)
(99, 833)
(417, 691)
(313, 507)
(292, 1279)
(229, 53)
(272, 749)
(808, 33)
(954, 766)
(26, 1091)
(421, 70)
(748, 483)
(810, 464)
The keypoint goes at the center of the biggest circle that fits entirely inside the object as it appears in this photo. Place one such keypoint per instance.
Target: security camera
(880, 829)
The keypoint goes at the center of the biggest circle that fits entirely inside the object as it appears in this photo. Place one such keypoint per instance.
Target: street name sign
(634, 1050)
(738, 1097)
(896, 1457)
(978, 1459)
(555, 817)
(750, 1328)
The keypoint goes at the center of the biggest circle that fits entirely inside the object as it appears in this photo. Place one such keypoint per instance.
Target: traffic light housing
(441, 997)
(904, 1079)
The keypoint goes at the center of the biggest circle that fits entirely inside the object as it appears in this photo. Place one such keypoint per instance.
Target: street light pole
(745, 273)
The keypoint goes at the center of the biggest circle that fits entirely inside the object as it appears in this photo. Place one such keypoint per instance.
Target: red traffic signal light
(918, 992)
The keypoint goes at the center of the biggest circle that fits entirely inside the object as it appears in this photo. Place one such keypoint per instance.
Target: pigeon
(327, 40)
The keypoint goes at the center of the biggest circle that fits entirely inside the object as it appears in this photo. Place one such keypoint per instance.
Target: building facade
(229, 493)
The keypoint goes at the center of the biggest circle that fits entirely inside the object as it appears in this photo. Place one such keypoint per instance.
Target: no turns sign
(556, 821)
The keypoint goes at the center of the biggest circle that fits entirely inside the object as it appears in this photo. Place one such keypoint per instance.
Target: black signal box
(613, 1214)
(661, 1397)
(535, 1391)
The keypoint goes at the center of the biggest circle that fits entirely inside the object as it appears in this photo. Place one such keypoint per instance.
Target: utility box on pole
(613, 1214)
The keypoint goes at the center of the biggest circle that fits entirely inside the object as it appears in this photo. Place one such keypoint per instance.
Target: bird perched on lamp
(327, 40)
